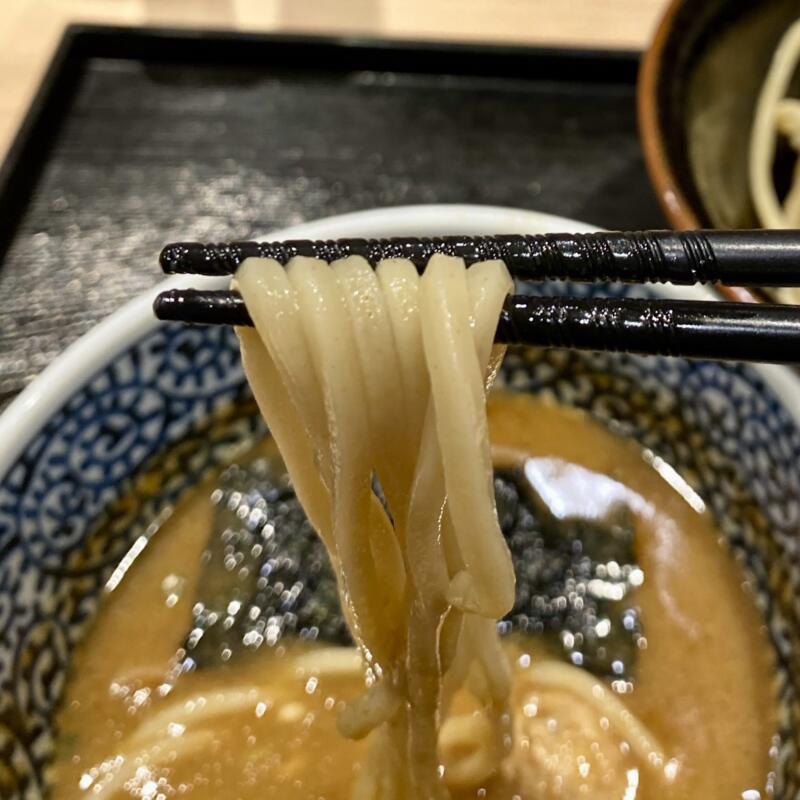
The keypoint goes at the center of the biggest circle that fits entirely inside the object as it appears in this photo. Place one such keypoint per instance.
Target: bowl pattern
(96, 479)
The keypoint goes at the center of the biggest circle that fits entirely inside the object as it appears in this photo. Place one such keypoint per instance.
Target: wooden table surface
(30, 29)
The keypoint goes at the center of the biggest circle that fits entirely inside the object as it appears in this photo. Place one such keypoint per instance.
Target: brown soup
(700, 679)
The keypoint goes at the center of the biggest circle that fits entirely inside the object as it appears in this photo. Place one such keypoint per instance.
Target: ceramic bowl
(74, 442)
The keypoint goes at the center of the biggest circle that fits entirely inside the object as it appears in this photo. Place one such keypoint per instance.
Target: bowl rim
(672, 199)
(670, 196)
(27, 414)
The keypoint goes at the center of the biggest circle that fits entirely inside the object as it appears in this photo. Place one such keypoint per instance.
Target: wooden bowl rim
(673, 201)
(670, 195)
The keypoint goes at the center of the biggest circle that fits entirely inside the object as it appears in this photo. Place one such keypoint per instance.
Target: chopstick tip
(181, 256)
(167, 306)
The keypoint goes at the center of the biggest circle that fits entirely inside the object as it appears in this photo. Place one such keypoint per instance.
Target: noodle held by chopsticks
(486, 585)
(365, 375)
(362, 374)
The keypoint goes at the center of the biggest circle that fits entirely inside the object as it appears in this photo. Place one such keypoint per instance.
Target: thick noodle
(370, 564)
(288, 397)
(775, 113)
(380, 365)
(486, 585)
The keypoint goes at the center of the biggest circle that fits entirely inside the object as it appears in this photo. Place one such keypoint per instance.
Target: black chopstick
(737, 258)
(693, 329)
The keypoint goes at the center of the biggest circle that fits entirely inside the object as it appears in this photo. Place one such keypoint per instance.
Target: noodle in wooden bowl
(717, 101)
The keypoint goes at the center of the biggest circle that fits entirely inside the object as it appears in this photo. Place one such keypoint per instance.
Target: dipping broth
(675, 637)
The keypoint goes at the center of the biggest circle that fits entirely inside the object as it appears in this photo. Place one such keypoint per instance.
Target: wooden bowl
(698, 86)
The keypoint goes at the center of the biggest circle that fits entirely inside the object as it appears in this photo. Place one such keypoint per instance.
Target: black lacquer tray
(140, 136)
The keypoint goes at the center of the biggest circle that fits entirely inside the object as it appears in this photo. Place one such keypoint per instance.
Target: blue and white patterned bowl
(73, 444)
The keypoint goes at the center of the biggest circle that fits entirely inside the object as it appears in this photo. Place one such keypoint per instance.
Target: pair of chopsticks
(695, 329)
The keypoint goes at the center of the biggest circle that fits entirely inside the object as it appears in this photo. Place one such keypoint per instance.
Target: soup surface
(646, 599)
